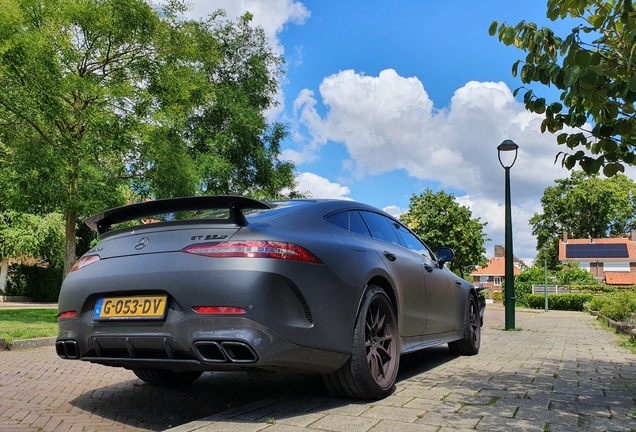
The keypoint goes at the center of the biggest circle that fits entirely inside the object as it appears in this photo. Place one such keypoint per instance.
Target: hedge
(39, 283)
(572, 302)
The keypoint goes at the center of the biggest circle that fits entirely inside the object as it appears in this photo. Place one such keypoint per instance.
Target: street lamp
(545, 275)
(507, 146)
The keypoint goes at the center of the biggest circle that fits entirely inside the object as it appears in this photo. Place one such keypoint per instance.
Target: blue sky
(387, 98)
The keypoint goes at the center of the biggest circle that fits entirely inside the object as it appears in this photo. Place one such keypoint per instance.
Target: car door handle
(458, 284)
(428, 268)
(390, 256)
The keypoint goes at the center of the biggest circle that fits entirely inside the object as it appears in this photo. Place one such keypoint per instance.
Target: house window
(497, 280)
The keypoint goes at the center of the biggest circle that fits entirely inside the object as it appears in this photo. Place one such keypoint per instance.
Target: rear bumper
(219, 344)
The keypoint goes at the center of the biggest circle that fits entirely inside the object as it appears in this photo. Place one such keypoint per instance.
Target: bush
(571, 302)
(616, 311)
(497, 296)
(42, 284)
(598, 302)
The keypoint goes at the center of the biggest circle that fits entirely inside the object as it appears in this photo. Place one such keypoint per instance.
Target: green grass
(18, 324)
(625, 341)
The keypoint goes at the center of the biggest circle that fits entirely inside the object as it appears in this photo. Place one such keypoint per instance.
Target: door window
(380, 227)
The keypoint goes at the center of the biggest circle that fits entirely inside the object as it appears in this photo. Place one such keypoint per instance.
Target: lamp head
(507, 145)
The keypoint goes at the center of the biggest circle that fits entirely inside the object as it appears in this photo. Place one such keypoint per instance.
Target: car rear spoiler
(102, 222)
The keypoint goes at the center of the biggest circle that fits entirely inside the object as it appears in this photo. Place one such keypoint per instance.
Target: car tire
(470, 343)
(167, 378)
(371, 370)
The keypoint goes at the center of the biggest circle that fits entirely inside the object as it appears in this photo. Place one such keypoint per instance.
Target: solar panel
(596, 250)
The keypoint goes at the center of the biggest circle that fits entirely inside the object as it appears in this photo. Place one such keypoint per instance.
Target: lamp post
(545, 275)
(507, 146)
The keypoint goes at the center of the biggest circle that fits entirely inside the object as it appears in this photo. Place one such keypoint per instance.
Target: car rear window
(341, 220)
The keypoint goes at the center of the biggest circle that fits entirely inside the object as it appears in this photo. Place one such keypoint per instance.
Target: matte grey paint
(300, 316)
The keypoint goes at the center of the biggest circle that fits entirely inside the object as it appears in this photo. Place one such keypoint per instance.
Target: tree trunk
(4, 272)
(71, 242)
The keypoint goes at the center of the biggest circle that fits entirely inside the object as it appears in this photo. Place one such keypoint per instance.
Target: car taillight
(67, 315)
(84, 261)
(218, 310)
(254, 249)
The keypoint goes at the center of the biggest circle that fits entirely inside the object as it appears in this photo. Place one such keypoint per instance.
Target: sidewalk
(559, 372)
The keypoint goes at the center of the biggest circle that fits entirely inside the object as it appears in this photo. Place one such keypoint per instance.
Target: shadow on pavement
(144, 406)
(138, 404)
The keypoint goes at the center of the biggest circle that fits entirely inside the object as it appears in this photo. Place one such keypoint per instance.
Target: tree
(583, 206)
(440, 221)
(234, 129)
(593, 67)
(30, 236)
(573, 274)
(101, 96)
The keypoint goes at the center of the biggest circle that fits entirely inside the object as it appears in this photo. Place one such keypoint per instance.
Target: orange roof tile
(495, 267)
(631, 248)
(620, 278)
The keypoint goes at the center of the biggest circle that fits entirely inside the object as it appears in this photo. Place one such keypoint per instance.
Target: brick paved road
(39, 391)
(560, 372)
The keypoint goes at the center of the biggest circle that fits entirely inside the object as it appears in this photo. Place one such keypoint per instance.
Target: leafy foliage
(439, 220)
(573, 274)
(593, 67)
(571, 302)
(101, 96)
(583, 206)
(523, 283)
(618, 305)
(26, 235)
(41, 284)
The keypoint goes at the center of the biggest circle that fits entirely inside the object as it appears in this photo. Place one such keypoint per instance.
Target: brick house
(493, 274)
(611, 260)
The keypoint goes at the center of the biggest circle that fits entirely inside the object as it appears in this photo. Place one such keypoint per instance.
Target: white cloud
(493, 212)
(272, 15)
(389, 123)
(320, 187)
(394, 210)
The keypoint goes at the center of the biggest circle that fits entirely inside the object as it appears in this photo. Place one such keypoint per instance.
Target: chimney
(500, 251)
(565, 236)
(632, 235)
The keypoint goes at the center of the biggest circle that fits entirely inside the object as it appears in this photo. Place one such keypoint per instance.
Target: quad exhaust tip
(225, 352)
(67, 349)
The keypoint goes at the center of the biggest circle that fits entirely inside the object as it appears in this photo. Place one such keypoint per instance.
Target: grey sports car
(222, 283)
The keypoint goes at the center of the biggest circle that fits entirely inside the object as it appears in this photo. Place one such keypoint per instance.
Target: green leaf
(561, 138)
(571, 75)
(509, 36)
(493, 28)
(556, 107)
(629, 158)
(612, 169)
(515, 66)
(528, 96)
(583, 58)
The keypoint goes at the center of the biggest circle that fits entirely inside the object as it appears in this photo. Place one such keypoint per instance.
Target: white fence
(553, 289)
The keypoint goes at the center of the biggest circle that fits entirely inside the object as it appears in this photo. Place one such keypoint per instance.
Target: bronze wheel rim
(381, 342)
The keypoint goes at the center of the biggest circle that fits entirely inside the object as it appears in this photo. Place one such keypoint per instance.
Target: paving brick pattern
(560, 372)
(40, 392)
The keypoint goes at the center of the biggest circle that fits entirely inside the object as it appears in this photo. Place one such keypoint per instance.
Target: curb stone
(30, 343)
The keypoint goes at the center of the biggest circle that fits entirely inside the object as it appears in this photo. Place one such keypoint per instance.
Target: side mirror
(444, 255)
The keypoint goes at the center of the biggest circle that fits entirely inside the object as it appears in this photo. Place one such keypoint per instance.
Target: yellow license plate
(138, 307)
